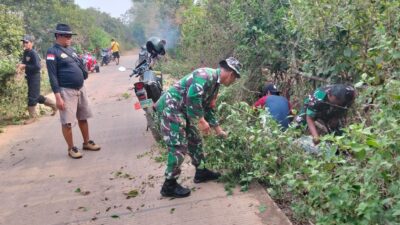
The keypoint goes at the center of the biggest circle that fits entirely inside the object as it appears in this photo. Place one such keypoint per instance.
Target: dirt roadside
(120, 184)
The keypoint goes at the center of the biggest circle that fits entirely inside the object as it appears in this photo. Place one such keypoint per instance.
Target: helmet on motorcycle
(156, 46)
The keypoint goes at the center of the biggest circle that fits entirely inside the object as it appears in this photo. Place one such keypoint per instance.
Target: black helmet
(155, 46)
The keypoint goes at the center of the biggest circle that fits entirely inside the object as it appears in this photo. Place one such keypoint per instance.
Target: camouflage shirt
(193, 94)
(317, 106)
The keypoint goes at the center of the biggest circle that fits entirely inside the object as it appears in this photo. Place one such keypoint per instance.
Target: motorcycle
(90, 63)
(105, 56)
(148, 90)
(143, 55)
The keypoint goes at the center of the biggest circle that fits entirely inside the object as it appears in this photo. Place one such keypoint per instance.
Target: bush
(355, 180)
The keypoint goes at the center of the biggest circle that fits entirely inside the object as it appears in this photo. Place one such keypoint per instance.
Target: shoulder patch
(50, 57)
(320, 94)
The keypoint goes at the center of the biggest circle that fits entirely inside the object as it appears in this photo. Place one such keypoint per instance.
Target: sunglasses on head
(25, 42)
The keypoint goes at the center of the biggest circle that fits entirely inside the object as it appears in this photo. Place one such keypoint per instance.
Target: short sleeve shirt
(114, 46)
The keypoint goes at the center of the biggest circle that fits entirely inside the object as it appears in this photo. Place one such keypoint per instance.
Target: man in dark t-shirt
(67, 82)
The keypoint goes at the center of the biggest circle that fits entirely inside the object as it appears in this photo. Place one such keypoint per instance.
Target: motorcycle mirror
(121, 68)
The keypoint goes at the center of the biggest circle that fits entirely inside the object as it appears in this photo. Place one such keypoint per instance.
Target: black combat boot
(204, 175)
(171, 188)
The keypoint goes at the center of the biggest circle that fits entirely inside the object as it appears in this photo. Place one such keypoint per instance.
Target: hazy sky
(114, 7)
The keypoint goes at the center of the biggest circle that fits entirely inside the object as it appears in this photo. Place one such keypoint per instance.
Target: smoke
(150, 19)
(168, 31)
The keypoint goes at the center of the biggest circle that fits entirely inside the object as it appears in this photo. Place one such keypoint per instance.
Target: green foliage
(39, 19)
(13, 101)
(337, 42)
(98, 39)
(206, 37)
(93, 27)
(346, 39)
(355, 179)
(11, 31)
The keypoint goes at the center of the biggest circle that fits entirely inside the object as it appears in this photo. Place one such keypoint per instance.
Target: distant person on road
(278, 106)
(31, 64)
(66, 73)
(327, 105)
(187, 104)
(115, 49)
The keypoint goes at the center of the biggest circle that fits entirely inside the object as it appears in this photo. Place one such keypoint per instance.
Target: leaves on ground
(121, 174)
(82, 209)
(115, 216)
(131, 194)
(84, 193)
(126, 95)
(262, 208)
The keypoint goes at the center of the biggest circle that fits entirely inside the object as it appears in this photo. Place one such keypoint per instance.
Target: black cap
(271, 88)
(63, 29)
(28, 38)
(344, 93)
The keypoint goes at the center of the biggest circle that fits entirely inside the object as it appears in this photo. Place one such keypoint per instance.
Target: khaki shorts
(76, 105)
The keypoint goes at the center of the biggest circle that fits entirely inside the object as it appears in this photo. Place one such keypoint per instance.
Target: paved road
(40, 184)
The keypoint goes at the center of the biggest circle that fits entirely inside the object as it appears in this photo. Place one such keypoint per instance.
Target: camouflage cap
(234, 64)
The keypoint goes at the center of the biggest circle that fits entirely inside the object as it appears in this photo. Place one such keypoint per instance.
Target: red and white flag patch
(50, 57)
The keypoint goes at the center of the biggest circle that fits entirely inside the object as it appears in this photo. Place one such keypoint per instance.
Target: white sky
(113, 7)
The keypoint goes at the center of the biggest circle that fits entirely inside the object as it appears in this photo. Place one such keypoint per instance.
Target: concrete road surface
(40, 184)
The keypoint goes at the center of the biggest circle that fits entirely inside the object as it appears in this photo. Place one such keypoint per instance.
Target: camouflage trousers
(181, 137)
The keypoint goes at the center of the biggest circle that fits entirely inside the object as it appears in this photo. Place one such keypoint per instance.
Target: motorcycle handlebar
(140, 69)
(134, 74)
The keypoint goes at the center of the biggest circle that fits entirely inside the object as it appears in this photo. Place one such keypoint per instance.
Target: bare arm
(220, 132)
(204, 126)
(59, 101)
(312, 129)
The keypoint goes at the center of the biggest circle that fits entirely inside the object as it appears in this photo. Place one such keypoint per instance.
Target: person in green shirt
(188, 103)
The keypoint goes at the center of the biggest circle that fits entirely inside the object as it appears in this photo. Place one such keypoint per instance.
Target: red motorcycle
(90, 63)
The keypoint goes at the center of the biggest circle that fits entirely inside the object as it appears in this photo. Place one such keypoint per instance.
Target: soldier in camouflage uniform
(328, 105)
(188, 103)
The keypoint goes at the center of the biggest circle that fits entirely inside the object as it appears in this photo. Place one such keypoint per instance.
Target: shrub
(355, 180)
